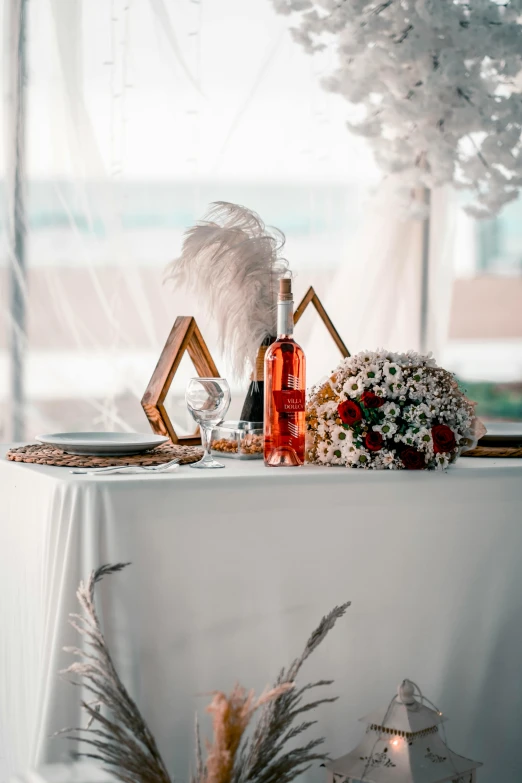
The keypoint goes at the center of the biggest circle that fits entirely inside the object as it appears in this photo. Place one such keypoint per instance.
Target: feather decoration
(232, 262)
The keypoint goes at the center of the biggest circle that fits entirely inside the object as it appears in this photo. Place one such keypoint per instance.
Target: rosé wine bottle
(285, 388)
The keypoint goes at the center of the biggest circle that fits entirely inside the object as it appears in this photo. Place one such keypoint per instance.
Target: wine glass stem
(205, 441)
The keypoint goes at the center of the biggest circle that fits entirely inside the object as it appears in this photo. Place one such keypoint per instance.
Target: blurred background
(138, 114)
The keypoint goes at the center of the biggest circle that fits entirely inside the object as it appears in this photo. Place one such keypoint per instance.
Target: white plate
(503, 432)
(102, 444)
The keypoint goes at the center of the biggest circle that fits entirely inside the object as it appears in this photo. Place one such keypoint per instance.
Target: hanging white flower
(435, 84)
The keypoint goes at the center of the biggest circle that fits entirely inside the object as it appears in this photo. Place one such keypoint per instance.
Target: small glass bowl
(238, 440)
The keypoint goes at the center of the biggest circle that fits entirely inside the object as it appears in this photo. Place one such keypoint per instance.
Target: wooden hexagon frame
(311, 298)
(185, 336)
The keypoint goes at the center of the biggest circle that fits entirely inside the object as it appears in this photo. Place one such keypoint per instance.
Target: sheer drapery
(375, 299)
(140, 114)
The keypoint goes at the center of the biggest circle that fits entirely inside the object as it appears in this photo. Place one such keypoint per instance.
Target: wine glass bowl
(208, 400)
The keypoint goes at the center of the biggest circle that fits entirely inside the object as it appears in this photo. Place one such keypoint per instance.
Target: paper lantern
(403, 744)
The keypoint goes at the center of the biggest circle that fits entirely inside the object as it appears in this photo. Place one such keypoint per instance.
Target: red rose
(349, 412)
(443, 439)
(413, 459)
(373, 441)
(370, 400)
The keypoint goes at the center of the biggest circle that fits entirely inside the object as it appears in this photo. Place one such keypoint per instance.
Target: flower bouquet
(389, 410)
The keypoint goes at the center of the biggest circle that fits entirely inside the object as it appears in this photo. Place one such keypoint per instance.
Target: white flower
(387, 428)
(348, 447)
(416, 377)
(341, 437)
(380, 391)
(422, 413)
(387, 459)
(360, 458)
(323, 453)
(442, 461)
(334, 455)
(395, 388)
(392, 371)
(391, 410)
(329, 408)
(418, 415)
(371, 374)
(323, 429)
(354, 386)
(424, 439)
(405, 69)
(407, 437)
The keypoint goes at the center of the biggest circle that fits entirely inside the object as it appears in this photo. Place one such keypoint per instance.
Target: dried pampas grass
(233, 263)
(122, 742)
(230, 718)
(265, 758)
(118, 736)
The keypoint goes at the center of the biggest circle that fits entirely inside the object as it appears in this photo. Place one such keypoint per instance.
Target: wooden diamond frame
(311, 298)
(185, 336)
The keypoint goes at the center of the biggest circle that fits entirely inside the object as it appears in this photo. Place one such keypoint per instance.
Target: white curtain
(139, 113)
(138, 116)
(375, 298)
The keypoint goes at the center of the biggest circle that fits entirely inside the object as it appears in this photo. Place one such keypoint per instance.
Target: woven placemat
(494, 451)
(50, 455)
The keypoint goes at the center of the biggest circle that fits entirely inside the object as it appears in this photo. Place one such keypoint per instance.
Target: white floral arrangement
(434, 85)
(389, 410)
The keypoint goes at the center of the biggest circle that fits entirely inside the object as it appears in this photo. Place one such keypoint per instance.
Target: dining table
(231, 570)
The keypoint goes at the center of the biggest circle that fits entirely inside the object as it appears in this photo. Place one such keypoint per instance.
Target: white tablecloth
(231, 571)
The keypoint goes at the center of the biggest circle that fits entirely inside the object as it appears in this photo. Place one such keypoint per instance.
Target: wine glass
(207, 400)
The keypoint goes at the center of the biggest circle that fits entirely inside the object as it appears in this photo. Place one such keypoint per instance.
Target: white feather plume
(233, 263)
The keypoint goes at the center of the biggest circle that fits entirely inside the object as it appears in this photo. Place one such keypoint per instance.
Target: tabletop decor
(238, 439)
(496, 452)
(102, 444)
(118, 736)
(284, 426)
(208, 400)
(311, 298)
(403, 743)
(502, 440)
(434, 87)
(38, 454)
(185, 336)
(233, 262)
(389, 410)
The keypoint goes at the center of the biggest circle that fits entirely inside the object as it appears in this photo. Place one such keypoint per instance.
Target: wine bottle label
(289, 401)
